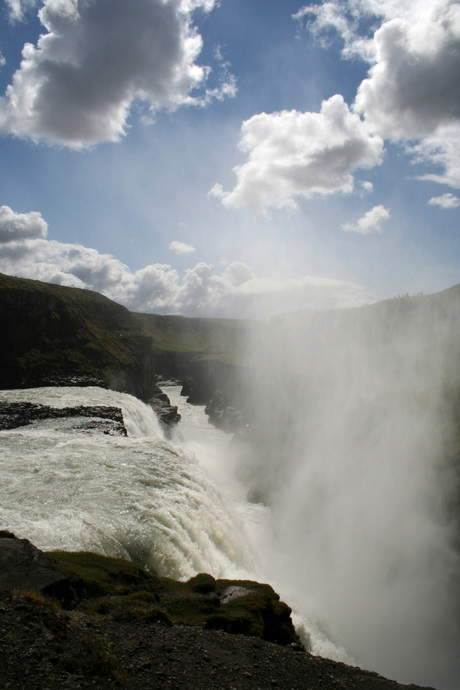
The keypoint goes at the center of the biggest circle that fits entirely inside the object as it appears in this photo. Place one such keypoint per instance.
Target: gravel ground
(43, 648)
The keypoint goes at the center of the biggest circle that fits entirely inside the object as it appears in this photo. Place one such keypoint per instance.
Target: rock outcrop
(119, 628)
(24, 567)
(107, 420)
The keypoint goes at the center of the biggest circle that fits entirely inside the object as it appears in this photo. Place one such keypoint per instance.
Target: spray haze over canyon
(354, 418)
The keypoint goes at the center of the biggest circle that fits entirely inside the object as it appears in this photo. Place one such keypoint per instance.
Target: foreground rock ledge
(117, 635)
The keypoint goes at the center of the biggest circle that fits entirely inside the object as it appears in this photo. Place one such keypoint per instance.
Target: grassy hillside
(52, 332)
(215, 338)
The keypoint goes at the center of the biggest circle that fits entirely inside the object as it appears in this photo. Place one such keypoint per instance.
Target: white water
(177, 507)
(138, 497)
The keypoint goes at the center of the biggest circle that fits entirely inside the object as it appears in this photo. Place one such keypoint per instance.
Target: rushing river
(174, 505)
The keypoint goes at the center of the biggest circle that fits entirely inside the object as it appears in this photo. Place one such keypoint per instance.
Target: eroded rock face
(24, 567)
(107, 420)
(161, 405)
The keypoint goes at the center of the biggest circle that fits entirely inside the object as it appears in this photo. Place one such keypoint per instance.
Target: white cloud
(235, 292)
(445, 201)
(294, 154)
(77, 85)
(443, 150)
(412, 88)
(341, 17)
(15, 8)
(19, 8)
(370, 222)
(181, 247)
(19, 226)
(366, 187)
(411, 92)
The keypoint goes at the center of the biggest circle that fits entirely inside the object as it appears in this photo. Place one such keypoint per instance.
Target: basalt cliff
(56, 335)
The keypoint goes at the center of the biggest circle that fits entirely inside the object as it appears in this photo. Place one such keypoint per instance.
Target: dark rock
(223, 416)
(41, 647)
(161, 405)
(186, 387)
(53, 334)
(24, 567)
(72, 381)
(17, 414)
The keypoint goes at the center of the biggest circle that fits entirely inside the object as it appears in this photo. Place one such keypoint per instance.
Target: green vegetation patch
(92, 575)
(122, 590)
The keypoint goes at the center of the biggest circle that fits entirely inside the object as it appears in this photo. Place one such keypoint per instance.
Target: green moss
(202, 583)
(140, 606)
(122, 590)
(92, 575)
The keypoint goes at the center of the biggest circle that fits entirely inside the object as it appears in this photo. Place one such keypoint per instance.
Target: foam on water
(138, 497)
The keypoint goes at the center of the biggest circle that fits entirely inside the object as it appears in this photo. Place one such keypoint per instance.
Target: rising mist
(353, 416)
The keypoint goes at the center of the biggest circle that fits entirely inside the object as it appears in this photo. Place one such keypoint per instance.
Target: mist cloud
(295, 154)
(370, 222)
(235, 292)
(76, 87)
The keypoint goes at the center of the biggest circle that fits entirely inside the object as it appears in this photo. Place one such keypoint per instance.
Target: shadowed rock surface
(24, 567)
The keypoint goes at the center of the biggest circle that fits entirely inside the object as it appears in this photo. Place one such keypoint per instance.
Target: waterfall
(138, 497)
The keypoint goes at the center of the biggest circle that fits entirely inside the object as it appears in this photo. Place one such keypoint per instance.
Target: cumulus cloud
(95, 59)
(370, 222)
(445, 201)
(235, 292)
(19, 226)
(300, 154)
(411, 92)
(181, 247)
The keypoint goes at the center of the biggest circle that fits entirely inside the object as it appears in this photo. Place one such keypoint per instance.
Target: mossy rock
(141, 607)
(122, 590)
(203, 583)
(92, 575)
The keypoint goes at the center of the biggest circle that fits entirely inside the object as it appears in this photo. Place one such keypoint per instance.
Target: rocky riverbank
(83, 621)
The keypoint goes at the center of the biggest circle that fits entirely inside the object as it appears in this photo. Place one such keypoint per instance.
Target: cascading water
(138, 497)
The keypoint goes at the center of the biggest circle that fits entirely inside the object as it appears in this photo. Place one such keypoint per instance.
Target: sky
(231, 158)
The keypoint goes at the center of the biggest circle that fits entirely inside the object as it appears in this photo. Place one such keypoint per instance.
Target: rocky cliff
(51, 334)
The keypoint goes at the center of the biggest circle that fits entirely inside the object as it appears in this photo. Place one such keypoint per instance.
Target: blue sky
(231, 158)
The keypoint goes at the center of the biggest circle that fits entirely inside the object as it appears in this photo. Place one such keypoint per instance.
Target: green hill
(51, 333)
